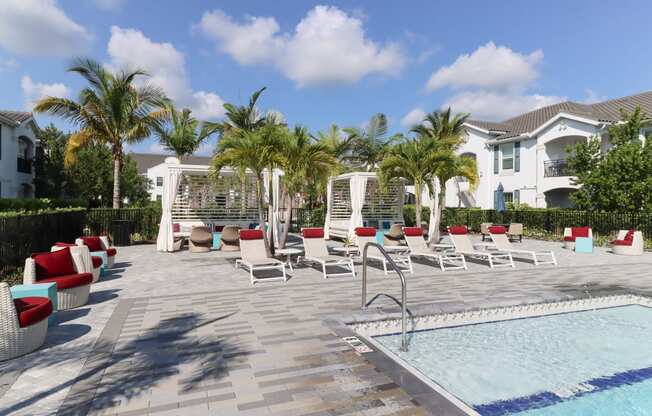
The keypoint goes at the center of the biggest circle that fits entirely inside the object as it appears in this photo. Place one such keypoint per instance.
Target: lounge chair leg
(409, 259)
(464, 263)
(285, 277)
(491, 263)
(251, 275)
(352, 267)
(323, 268)
(511, 260)
(385, 266)
(441, 264)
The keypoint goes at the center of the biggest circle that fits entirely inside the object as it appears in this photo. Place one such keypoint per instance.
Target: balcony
(24, 165)
(556, 168)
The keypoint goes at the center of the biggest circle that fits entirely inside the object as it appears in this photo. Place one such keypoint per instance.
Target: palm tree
(415, 160)
(338, 145)
(449, 134)
(242, 117)
(304, 161)
(183, 133)
(111, 110)
(370, 143)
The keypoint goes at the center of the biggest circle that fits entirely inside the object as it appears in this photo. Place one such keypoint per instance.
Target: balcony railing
(556, 168)
(24, 165)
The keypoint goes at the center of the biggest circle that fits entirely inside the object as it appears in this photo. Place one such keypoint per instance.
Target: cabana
(191, 197)
(358, 200)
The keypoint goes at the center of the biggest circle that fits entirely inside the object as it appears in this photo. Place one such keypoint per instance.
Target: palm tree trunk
(417, 203)
(117, 167)
(287, 223)
(261, 213)
(270, 210)
(441, 199)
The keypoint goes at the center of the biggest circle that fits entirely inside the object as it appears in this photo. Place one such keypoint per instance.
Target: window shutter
(517, 156)
(517, 197)
(496, 200)
(496, 158)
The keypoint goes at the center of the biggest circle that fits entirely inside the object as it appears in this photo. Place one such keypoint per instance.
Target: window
(159, 181)
(507, 152)
(509, 197)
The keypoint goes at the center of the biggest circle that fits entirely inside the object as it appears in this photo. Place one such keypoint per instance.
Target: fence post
(547, 225)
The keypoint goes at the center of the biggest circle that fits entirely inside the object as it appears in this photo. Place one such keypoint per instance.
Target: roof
(16, 116)
(149, 160)
(606, 111)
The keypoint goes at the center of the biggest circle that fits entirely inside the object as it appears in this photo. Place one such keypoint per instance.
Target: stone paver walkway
(183, 333)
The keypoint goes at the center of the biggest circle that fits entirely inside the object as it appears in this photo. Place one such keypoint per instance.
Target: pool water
(596, 362)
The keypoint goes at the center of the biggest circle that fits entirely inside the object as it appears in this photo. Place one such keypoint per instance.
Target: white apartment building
(17, 149)
(153, 167)
(527, 153)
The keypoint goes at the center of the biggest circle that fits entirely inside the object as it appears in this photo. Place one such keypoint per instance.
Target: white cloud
(110, 5)
(489, 67)
(327, 46)
(8, 64)
(166, 65)
(592, 97)
(414, 117)
(33, 91)
(496, 106)
(40, 27)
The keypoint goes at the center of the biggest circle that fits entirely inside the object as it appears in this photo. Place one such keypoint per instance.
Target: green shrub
(409, 217)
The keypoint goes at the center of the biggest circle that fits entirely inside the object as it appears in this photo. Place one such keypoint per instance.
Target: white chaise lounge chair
(366, 235)
(460, 238)
(316, 251)
(254, 256)
(419, 248)
(498, 235)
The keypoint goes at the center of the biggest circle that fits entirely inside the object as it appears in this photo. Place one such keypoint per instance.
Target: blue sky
(335, 62)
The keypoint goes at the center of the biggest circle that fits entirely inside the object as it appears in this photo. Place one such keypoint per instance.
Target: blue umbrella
(500, 198)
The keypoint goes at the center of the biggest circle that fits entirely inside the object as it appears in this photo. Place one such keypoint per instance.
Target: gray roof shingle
(17, 116)
(148, 160)
(606, 111)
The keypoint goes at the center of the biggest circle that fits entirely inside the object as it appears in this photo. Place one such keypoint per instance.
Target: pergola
(191, 197)
(357, 199)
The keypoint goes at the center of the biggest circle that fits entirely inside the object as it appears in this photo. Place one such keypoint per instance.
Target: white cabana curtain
(358, 186)
(165, 239)
(329, 207)
(434, 203)
(276, 220)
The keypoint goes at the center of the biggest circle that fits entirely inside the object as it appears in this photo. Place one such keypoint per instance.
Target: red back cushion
(458, 229)
(176, 227)
(56, 263)
(313, 233)
(32, 310)
(413, 231)
(497, 229)
(630, 235)
(580, 231)
(93, 243)
(251, 234)
(365, 231)
(62, 244)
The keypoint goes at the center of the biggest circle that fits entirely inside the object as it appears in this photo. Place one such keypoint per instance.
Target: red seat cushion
(497, 229)
(365, 231)
(55, 263)
(580, 231)
(62, 244)
(313, 232)
(630, 235)
(622, 242)
(569, 238)
(32, 310)
(458, 229)
(111, 252)
(93, 243)
(97, 261)
(413, 231)
(176, 227)
(251, 234)
(70, 281)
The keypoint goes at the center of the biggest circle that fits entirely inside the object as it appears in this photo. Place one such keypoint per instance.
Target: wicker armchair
(23, 323)
(99, 243)
(64, 267)
(92, 264)
(484, 229)
(230, 238)
(394, 237)
(515, 231)
(201, 239)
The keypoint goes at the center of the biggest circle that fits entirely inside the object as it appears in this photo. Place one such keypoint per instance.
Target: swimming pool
(579, 362)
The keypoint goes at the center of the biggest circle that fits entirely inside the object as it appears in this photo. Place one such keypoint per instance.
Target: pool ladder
(404, 344)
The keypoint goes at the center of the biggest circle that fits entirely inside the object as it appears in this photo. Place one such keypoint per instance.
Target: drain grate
(359, 346)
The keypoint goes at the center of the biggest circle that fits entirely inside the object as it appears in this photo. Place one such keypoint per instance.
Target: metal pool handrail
(404, 345)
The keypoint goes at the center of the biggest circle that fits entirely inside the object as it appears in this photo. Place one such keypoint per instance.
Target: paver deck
(185, 334)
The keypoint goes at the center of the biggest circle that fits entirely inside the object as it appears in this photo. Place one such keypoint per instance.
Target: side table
(41, 290)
